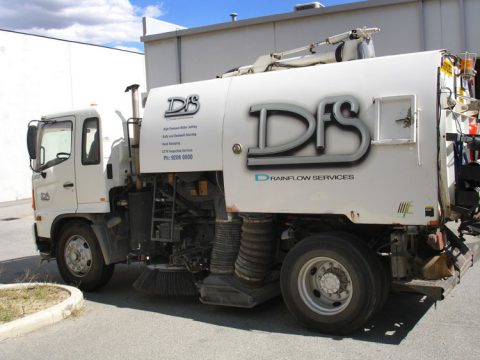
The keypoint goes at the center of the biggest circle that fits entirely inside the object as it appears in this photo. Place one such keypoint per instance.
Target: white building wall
(41, 75)
(406, 26)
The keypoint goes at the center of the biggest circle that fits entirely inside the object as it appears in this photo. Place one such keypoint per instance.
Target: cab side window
(91, 142)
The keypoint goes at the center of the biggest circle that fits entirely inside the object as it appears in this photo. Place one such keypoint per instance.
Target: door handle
(68, 185)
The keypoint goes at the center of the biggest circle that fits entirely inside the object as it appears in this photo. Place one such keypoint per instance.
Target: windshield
(55, 141)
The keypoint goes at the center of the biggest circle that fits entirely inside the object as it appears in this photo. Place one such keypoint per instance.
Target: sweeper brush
(166, 280)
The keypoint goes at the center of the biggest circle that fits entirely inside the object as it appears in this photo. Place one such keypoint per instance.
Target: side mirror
(32, 141)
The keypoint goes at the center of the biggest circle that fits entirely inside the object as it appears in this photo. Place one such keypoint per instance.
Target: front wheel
(79, 258)
(328, 283)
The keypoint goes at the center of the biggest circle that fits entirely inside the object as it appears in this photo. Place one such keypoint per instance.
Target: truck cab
(78, 157)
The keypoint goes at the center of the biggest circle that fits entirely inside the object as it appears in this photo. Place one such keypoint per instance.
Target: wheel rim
(78, 255)
(325, 286)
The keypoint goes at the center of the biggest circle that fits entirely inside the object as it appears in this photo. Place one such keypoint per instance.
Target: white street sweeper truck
(328, 178)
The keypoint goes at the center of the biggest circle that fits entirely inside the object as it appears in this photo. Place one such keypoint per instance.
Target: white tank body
(286, 142)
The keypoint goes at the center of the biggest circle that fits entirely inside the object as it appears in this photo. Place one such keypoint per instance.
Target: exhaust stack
(135, 142)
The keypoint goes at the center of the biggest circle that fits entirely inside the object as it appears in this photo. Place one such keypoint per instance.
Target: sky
(118, 23)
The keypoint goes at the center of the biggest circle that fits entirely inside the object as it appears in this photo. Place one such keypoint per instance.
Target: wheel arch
(99, 228)
(59, 222)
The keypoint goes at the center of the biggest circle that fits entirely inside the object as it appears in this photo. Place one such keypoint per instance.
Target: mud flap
(113, 251)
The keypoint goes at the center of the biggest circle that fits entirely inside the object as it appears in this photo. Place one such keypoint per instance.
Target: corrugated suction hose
(225, 246)
(257, 247)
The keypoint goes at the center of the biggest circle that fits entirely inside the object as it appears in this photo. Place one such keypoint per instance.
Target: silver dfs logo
(179, 106)
(340, 110)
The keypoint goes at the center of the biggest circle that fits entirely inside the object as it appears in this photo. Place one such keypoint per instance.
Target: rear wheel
(80, 259)
(329, 283)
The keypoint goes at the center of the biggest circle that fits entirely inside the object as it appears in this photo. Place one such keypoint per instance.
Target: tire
(330, 283)
(381, 280)
(79, 258)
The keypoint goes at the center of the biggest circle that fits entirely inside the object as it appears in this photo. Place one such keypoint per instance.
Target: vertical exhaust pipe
(135, 143)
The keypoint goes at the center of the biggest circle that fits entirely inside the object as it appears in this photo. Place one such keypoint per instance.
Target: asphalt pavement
(121, 323)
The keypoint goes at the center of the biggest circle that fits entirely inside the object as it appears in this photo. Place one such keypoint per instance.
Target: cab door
(54, 180)
(89, 168)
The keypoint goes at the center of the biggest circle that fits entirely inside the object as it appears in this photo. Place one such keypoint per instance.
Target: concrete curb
(42, 318)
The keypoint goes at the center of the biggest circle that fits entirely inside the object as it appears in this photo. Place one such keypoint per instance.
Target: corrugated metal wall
(407, 26)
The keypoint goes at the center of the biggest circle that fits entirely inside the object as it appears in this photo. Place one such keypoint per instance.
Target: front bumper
(44, 246)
